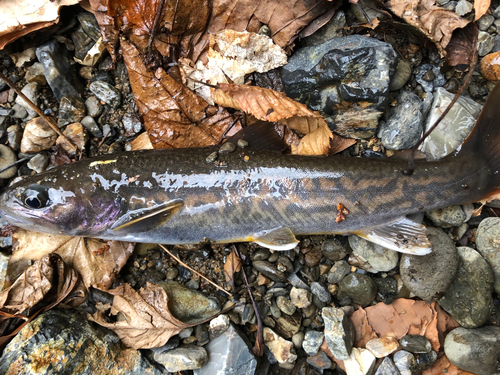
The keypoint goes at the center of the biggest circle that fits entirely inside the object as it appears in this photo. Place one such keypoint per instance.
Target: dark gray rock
(430, 77)
(476, 350)
(426, 360)
(415, 344)
(333, 249)
(131, 123)
(312, 342)
(342, 71)
(71, 109)
(338, 271)
(361, 289)
(106, 92)
(404, 124)
(269, 270)
(468, 298)
(406, 363)
(387, 289)
(387, 367)
(320, 291)
(401, 75)
(186, 357)
(339, 332)
(82, 41)
(429, 276)
(64, 342)
(94, 107)
(320, 361)
(333, 29)
(58, 71)
(89, 123)
(487, 243)
(485, 43)
(89, 25)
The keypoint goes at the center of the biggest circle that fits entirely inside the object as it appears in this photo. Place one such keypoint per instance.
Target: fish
(180, 196)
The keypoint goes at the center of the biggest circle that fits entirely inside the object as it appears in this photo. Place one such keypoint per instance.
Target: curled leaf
(233, 265)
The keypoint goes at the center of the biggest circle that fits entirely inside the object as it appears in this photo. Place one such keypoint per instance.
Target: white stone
(360, 362)
(282, 349)
(382, 347)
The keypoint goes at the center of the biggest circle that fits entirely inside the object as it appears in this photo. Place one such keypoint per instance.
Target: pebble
(463, 7)
(452, 216)
(38, 163)
(19, 111)
(218, 326)
(89, 123)
(488, 244)
(7, 157)
(75, 133)
(106, 92)
(320, 361)
(379, 258)
(382, 347)
(285, 305)
(38, 136)
(54, 337)
(338, 271)
(21, 58)
(333, 249)
(387, 367)
(229, 354)
(485, 22)
(282, 349)
(321, 291)
(298, 339)
(429, 276)
(298, 281)
(387, 289)
(35, 73)
(301, 298)
(94, 107)
(227, 147)
(401, 75)
(89, 25)
(269, 270)
(313, 257)
(361, 289)
(71, 109)
(30, 90)
(485, 43)
(475, 350)
(132, 124)
(312, 342)
(496, 12)
(339, 332)
(360, 362)
(4, 260)
(468, 298)
(288, 325)
(404, 124)
(429, 85)
(186, 357)
(415, 344)
(14, 136)
(426, 360)
(406, 363)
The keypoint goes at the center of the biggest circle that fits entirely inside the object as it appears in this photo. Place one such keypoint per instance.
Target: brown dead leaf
(21, 17)
(315, 143)
(463, 45)
(435, 22)
(233, 265)
(143, 318)
(402, 317)
(481, 7)
(174, 117)
(97, 268)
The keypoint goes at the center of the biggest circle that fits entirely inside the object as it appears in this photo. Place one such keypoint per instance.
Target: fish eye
(35, 197)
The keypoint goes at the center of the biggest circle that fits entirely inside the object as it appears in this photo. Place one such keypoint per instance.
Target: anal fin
(404, 235)
(280, 238)
(148, 218)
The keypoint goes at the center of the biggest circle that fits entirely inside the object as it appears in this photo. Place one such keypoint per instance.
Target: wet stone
(319, 290)
(361, 289)
(82, 41)
(297, 281)
(35, 73)
(285, 305)
(187, 357)
(30, 90)
(333, 249)
(89, 123)
(320, 361)
(218, 326)
(426, 360)
(382, 347)
(38, 163)
(285, 264)
(312, 342)
(415, 344)
(63, 340)
(131, 124)
(106, 92)
(338, 271)
(7, 157)
(485, 43)
(301, 298)
(14, 136)
(227, 147)
(387, 367)
(172, 343)
(429, 276)
(18, 111)
(476, 350)
(429, 85)
(488, 244)
(229, 354)
(405, 362)
(345, 70)
(401, 75)
(89, 24)
(313, 257)
(380, 258)
(468, 298)
(71, 109)
(94, 107)
(387, 289)
(269, 270)
(447, 217)
(282, 350)
(404, 124)
(339, 332)
(288, 325)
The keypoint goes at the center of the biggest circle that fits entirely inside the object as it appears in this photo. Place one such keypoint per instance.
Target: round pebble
(333, 249)
(488, 244)
(415, 344)
(485, 43)
(401, 75)
(447, 217)
(7, 157)
(379, 258)
(107, 93)
(361, 289)
(338, 271)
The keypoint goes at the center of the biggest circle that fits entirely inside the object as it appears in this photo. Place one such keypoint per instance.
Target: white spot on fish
(94, 163)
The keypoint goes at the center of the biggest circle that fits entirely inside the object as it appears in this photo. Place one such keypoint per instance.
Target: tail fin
(484, 140)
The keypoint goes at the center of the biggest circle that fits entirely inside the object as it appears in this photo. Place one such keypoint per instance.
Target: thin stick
(17, 162)
(192, 270)
(37, 110)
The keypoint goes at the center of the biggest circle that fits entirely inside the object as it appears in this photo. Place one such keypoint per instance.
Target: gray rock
(64, 339)
(496, 44)
(344, 70)
(415, 344)
(14, 136)
(18, 111)
(186, 357)
(71, 109)
(333, 29)
(288, 325)
(333, 249)
(476, 350)
(218, 326)
(387, 289)
(39, 162)
(406, 363)
(468, 298)
(401, 75)
(298, 339)
(172, 343)
(7, 157)
(426, 360)
(189, 306)
(261, 254)
(338, 271)
(339, 332)
(496, 12)
(30, 90)
(429, 276)
(89, 25)
(387, 367)
(320, 291)
(107, 93)
(451, 5)
(485, 43)
(285, 305)
(488, 244)
(131, 123)
(269, 270)
(361, 289)
(58, 71)
(463, 7)
(320, 361)
(485, 22)
(36, 74)
(312, 342)
(82, 41)
(429, 85)
(229, 354)
(404, 124)
(447, 217)
(94, 107)
(89, 123)
(379, 258)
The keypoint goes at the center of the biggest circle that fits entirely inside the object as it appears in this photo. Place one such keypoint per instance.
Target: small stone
(285, 305)
(387, 367)
(18, 111)
(71, 110)
(415, 344)
(75, 133)
(312, 342)
(20, 58)
(185, 333)
(218, 326)
(7, 157)
(447, 217)
(261, 254)
(89, 25)
(38, 136)
(339, 332)
(14, 136)
(313, 257)
(38, 163)
(496, 12)
(360, 362)
(485, 22)
(242, 143)
(297, 281)
(380, 258)
(463, 7)
(132, 124)
(227, 147)
(269, 270)
(338, 271)
(426, 360)
(282, 349)
(301, 298)
(438, 80)
(187, 357)
(285, 264)
(89, 123)
(320, 361)
(333, 249)
(30, 90)
(87, 72)
(405, 362)
(387, 289)
(382, 347)
(320, 291)
(488, 244)
(288, 325)
(105, 92)
(35, 74)
(298, 339)
(94, 107)
(361, 289)
(401, 75)
(485, 43)
(212, 157)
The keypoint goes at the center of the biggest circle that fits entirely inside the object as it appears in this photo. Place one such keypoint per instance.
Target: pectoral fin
(405, 236)
(147, 218)
(276, 239)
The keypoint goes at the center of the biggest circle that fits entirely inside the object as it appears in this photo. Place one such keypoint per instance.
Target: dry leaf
(37, 136)
(21, 17)
(141, 142)
(435, 22)
(481, 7)
(174, 117)
(143, 318)
(233, 265)
(76, 134)
(463, 46)
(97, 267)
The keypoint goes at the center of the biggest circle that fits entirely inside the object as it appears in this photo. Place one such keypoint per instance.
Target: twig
(17, 162)
(411, 166)
(37, 110)
(192, 270)
(258, 348)
(159, 13)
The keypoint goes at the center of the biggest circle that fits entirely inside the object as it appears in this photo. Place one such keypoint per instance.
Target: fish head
(59, 202)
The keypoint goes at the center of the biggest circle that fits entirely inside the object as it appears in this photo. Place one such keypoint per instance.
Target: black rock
(387, 289)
